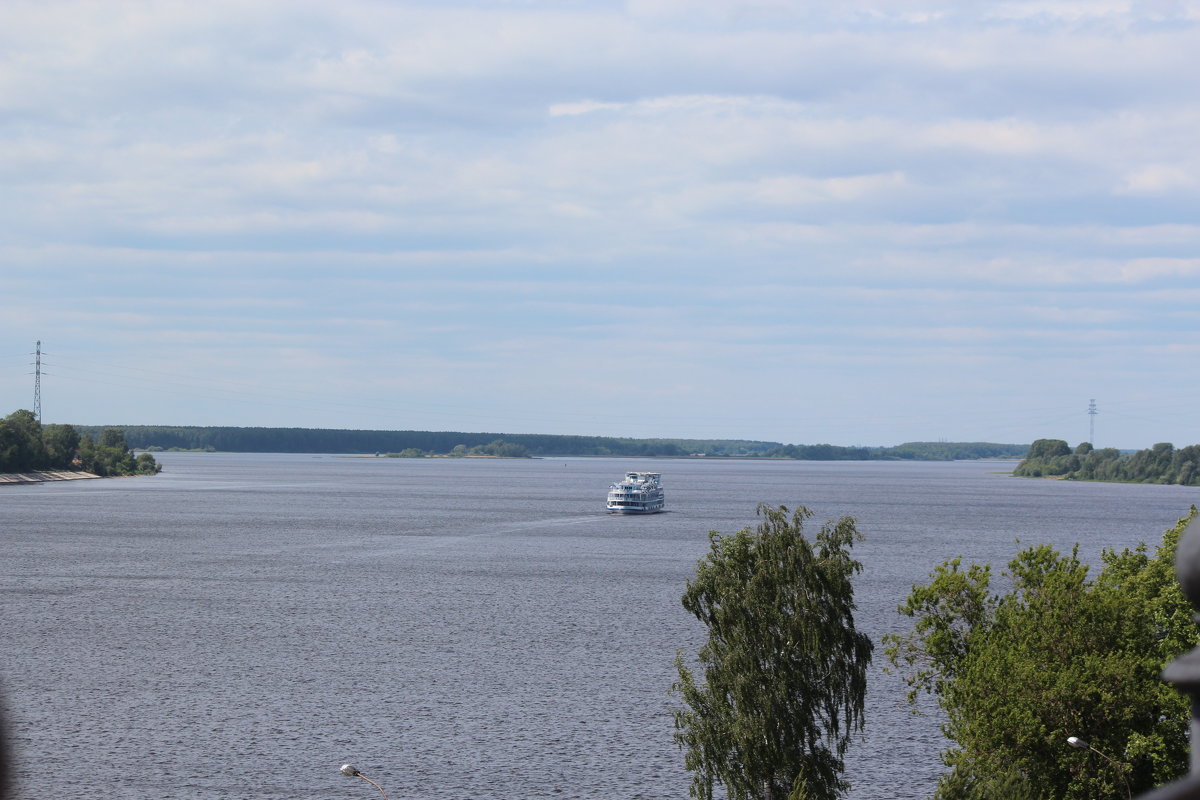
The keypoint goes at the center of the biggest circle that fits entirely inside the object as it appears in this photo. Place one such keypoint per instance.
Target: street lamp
(1081, 744)
(351, 771)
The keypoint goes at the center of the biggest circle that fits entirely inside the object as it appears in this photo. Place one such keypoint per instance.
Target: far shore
(45, 475)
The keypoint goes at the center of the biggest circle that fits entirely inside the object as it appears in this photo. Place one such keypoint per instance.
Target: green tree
(62, 444)
(112, 437)
(21, 442)
(501, 449)
(146, 465)
(104, 460)
(784, 669)
(1048, 457)
(410, 452)
(1054, 655)
(1044, 449)
(10, 447)
(110, 456)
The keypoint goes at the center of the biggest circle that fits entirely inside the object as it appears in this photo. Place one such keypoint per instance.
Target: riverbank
(45, 475)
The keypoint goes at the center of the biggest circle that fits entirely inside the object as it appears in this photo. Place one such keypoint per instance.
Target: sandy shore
(38, 477)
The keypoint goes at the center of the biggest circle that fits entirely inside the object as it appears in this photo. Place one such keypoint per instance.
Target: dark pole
(1119, 766)
(1184, 672)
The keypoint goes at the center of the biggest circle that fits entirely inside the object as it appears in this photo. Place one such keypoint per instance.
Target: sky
(849, 223)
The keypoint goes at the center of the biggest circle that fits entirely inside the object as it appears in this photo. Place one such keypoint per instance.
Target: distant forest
(1162, 463)
(419, 443)
(909, 451)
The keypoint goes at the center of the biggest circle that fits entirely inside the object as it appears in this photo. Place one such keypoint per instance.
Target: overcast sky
(855, 223)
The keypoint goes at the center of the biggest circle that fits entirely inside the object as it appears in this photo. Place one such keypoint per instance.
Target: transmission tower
(37, 382)
(1092, 412)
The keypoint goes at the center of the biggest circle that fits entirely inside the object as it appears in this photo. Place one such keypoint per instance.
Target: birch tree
(782, 676)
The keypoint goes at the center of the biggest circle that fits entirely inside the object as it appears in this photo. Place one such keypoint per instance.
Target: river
(240, 625)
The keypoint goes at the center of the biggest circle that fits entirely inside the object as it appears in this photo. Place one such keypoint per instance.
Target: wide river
(241, 625)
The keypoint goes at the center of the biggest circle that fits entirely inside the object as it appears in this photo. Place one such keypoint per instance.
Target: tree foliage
(27, 445)
(1162, 463)
(1055, 654)
(62, 445)
(784, 669)
(21, 445)
(496, 449)
(111, 456)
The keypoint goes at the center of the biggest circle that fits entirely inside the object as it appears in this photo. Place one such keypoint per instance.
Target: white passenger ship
(637, 493)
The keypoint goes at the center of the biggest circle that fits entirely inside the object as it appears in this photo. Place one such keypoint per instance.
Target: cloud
(581, 107)
(1155, 179)
(738, 189)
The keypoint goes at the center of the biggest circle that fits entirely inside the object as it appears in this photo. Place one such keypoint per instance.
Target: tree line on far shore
(909, 451)
(1162, 463)
(409, 443)
(26, 445)
(414, 443)
(496, 449)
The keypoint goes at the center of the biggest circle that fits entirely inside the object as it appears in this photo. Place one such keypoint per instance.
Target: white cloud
(582, 107)
(794, 185)
(1155, 179)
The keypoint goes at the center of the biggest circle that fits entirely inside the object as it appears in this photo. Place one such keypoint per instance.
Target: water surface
(241, 625)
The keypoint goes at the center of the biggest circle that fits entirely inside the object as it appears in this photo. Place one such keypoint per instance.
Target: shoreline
(41, 476)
